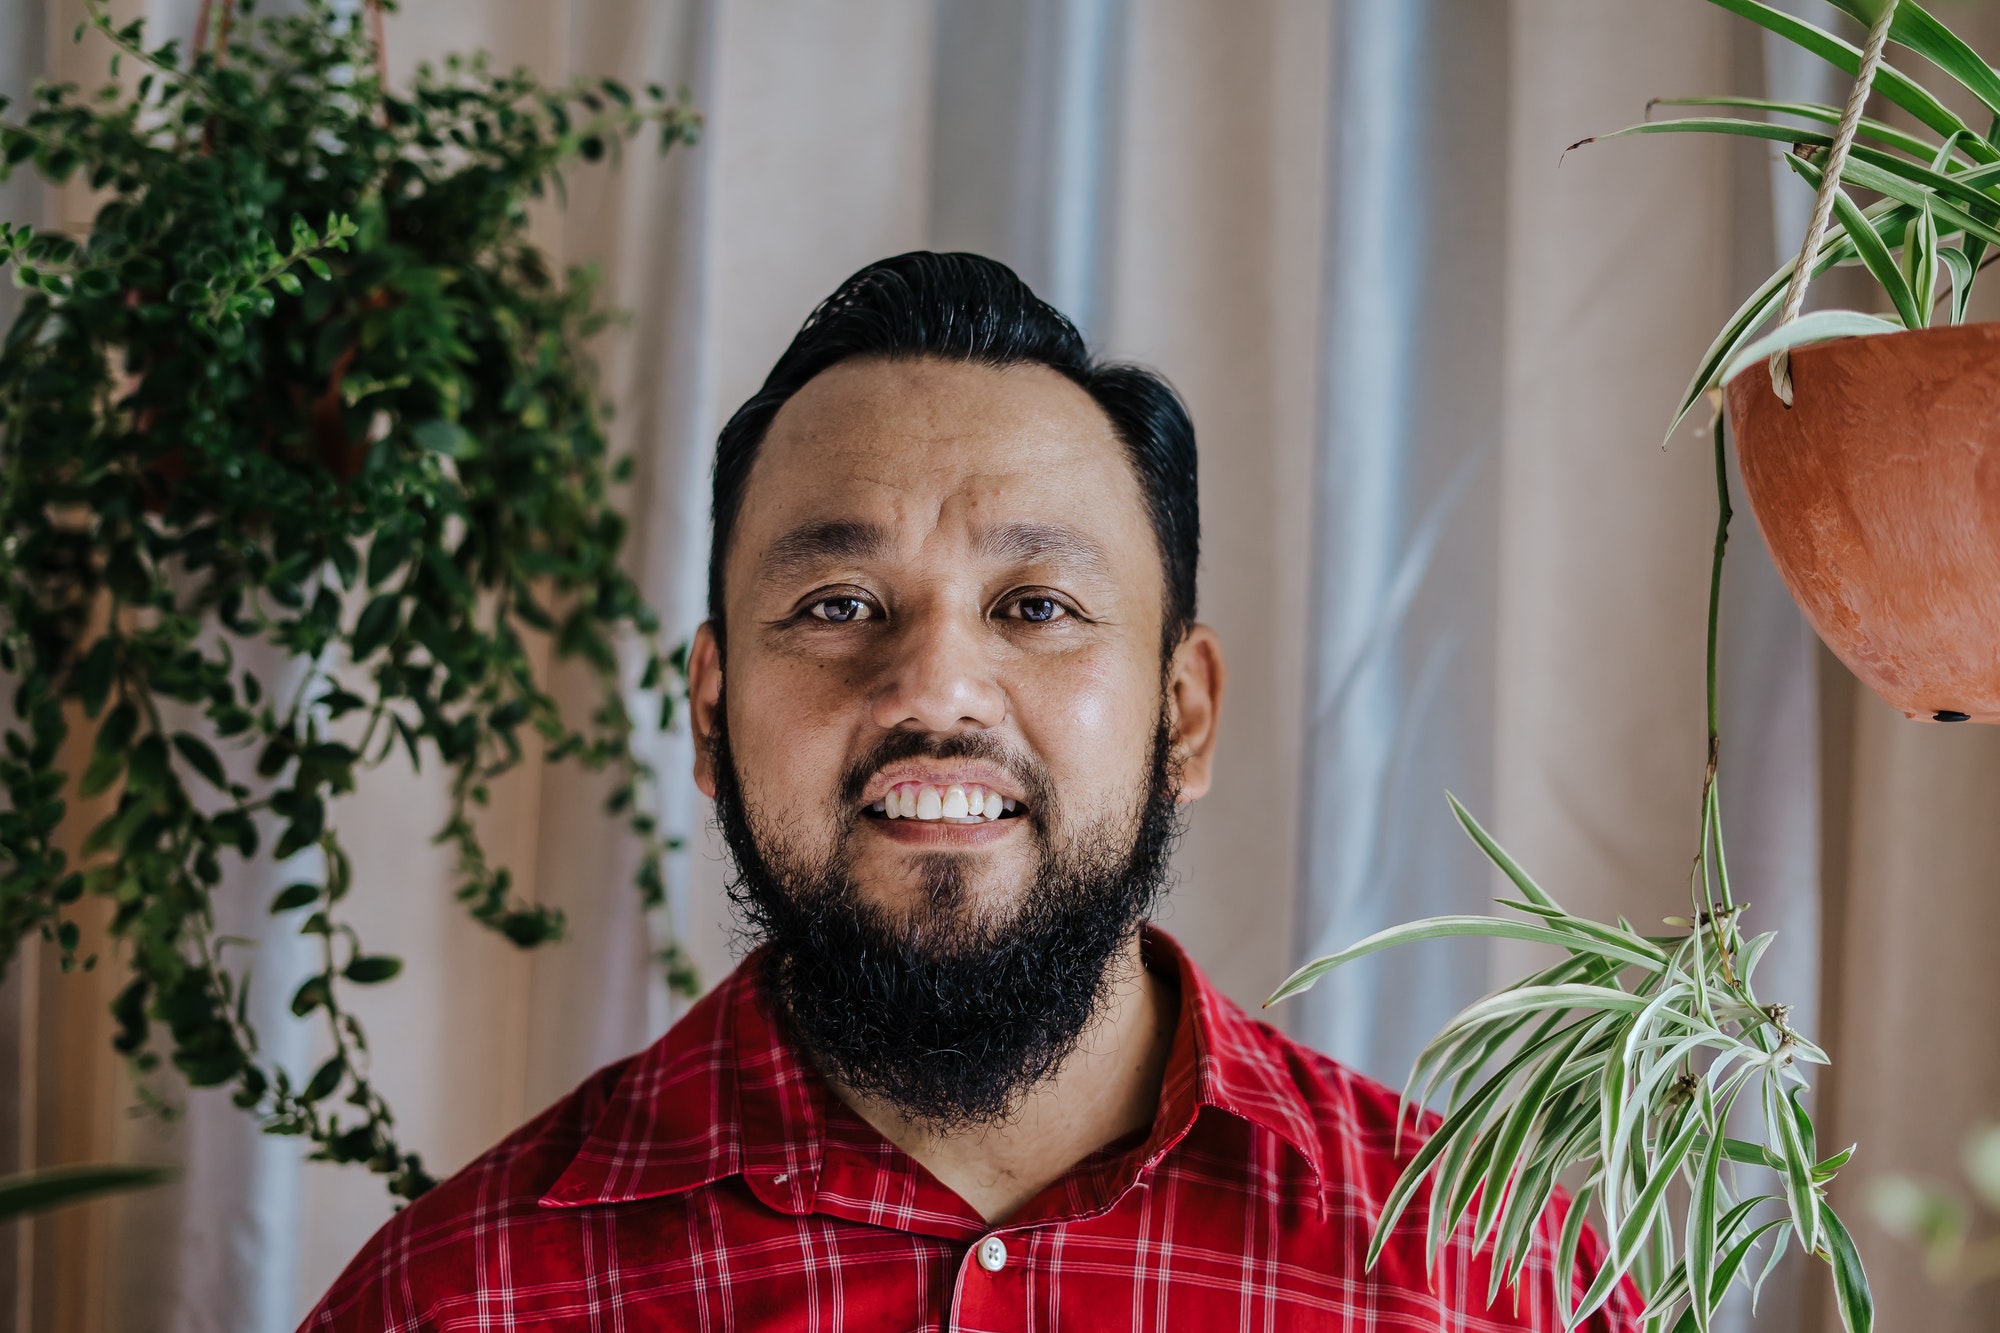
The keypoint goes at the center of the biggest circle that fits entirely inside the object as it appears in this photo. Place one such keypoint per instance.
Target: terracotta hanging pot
(1878, 493)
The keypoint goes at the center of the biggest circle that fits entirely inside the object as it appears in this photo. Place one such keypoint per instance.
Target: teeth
(960, 802)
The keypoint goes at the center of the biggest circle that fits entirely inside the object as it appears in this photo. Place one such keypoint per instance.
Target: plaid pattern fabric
(714, 1183)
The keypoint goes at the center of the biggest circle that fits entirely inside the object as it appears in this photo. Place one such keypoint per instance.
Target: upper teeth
(924, 800)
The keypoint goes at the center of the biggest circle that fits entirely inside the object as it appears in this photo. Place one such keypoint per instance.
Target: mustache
(897, 746)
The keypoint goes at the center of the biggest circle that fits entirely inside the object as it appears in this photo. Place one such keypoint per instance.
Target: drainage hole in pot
(1949, 715)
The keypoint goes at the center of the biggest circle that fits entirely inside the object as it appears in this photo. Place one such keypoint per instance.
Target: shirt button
(992, 1254)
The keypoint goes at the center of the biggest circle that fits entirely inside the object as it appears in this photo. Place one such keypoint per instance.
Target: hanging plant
(1871, 448)
(305, 383)
(1620, 1068)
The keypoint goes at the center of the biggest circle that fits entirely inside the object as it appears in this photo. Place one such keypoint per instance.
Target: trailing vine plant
(305, 383)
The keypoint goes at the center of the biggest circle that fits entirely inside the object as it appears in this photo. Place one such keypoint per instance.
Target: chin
(941, 890)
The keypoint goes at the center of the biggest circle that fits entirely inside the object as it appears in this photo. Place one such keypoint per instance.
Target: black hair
(965, 307)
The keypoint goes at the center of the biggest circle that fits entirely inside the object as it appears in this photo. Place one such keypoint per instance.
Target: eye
(1038, 610)
(841, 610)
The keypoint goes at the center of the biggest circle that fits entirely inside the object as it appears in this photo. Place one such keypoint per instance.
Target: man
(949, 698)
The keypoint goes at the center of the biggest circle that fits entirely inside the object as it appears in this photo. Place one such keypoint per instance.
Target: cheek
(788, 732)
(1091, 721)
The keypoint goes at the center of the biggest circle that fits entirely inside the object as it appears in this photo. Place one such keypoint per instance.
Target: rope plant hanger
(1829, 190)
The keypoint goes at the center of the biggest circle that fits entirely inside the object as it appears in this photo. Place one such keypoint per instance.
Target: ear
(704, 702)
(1195, 679)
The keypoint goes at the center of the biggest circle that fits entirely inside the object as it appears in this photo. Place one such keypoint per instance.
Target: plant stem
(1722, 517)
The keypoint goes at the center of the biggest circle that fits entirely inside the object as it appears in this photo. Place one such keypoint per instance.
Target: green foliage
(1936, 222)
(1619, 1068)
(306, 382)
(37, 1191)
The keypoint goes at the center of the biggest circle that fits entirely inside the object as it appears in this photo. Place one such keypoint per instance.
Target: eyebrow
(806, 548)
(1035, 543)
(810, 546)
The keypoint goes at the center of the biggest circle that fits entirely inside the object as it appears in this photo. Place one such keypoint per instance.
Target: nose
(940, 677)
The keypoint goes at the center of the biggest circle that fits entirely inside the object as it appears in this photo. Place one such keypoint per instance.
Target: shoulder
(432, 1255)
(1362, 1137)
(1360, 1133)
(390, 1284)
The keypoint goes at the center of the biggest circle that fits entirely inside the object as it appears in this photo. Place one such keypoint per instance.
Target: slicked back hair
(967, 308)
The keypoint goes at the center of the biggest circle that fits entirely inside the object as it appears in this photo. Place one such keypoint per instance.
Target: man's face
(950, 745)
(948, 550)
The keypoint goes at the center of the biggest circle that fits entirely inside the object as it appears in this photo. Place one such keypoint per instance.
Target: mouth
(945, 803)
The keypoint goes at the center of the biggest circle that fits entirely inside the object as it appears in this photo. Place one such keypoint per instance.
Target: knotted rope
(1829, 187)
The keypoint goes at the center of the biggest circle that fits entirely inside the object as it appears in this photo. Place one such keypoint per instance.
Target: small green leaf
(378, 623)
(1869, 245)
(1815, 327)
(237, 830)
(1703, 1209)
(1799, 1192)
(308, 822)
(294, 896)
(1566, 1245)
(1850, 1279)
(1846, 57)
(37, 1191)
(1920, 259)
(310, 996)
(325, 1079)
(367, 971)
(389, 553)
(201, 758)
(105, 768)
(116, 733)
(1446, 927)
(1639, 1223)
(1498, 855)
(100, 666)
(445, 437)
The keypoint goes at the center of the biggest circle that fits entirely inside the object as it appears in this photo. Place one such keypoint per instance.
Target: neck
(1108, 1087)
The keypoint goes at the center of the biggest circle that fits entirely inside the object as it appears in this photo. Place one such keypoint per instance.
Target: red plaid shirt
(713, 1182)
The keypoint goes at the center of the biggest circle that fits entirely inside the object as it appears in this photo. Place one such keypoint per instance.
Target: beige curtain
(822, 153)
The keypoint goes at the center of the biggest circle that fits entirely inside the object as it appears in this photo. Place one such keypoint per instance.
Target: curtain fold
(1399, 699)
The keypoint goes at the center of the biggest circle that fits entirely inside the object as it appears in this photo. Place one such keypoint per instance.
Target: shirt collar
(724, 1093)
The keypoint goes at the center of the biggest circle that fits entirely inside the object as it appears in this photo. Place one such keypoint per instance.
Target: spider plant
(1936, 222)
(54, 1187)
(1624, 1066)
(1621, 1066)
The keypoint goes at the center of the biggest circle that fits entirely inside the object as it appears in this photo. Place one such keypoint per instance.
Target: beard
(949, 1014)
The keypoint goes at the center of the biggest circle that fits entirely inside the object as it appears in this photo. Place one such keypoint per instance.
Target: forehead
(934, 450)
